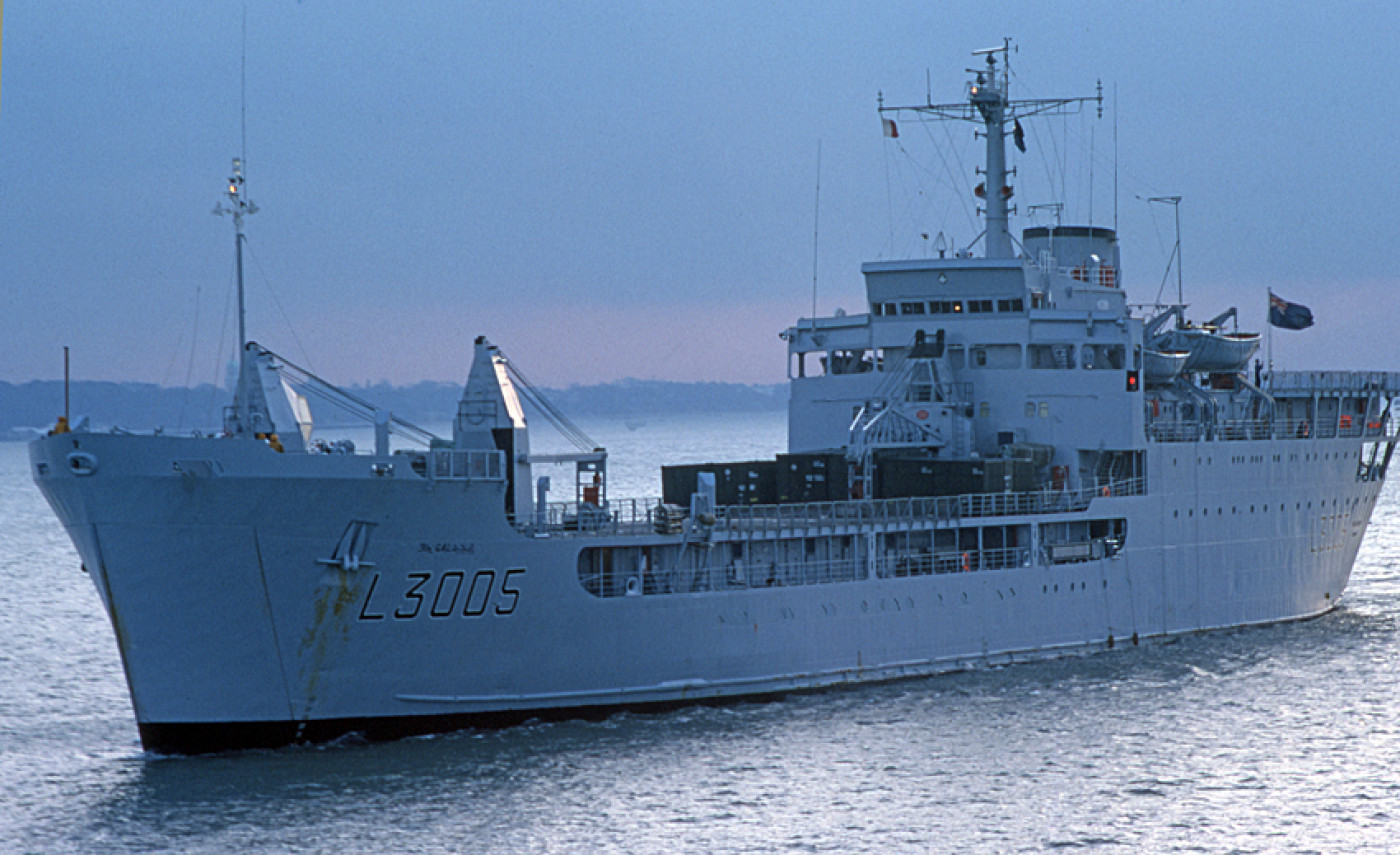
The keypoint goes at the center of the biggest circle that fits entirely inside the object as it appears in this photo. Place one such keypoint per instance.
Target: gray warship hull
(254, 632)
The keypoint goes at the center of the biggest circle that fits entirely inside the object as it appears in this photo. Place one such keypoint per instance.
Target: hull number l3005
(443, 594)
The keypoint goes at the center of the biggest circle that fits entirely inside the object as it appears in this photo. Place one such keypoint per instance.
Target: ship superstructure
(997, 461)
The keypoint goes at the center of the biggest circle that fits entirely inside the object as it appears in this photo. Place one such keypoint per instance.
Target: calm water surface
(1280, 739)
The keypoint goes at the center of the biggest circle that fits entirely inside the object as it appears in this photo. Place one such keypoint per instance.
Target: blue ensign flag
(1289, 316)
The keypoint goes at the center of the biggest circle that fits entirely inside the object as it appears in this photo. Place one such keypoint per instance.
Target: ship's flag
(1288, 316)
(1018, 136)
(891, 129)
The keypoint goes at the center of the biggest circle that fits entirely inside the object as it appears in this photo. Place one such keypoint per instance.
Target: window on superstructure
(996, 356)
(889, 308)
(1050, 355)
(877, 309)
(911, 308)
(851, 362)
(1101, 356)
(979, 307)
(1016, 305)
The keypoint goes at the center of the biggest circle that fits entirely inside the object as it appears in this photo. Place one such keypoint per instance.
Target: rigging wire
(551, 413)
(267, 283)
(889, 195)
(189, 364)
(194, 338)
(174, 355)
(928, 181)
(958, 188)
(345, 401)
(219, 364)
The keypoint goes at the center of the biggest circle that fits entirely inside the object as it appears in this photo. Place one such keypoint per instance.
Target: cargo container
(748, 482)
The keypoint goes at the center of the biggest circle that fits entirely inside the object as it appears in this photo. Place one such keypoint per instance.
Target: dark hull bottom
(214, 737)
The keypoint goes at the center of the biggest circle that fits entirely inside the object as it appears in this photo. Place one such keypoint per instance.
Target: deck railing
(1307, 385)
(1165, 429)
(738, 522)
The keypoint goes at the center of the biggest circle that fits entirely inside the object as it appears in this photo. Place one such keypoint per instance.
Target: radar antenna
(990, 105)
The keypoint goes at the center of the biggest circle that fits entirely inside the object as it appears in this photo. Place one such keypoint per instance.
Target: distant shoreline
(27, 409)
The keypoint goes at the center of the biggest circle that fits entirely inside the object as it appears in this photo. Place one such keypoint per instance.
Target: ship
(998, 460)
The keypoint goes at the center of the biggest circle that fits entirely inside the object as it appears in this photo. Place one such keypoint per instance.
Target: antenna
(238, 204)
(816, 232)
(1115, 156)
(243, 89)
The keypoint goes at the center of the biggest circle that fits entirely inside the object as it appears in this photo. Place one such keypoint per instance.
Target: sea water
(1276, 739)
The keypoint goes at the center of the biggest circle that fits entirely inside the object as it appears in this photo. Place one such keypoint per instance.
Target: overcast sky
(629, 189)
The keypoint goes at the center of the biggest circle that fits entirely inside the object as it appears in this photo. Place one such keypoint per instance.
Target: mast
(239, 207)
(989, 104)
(988, 95)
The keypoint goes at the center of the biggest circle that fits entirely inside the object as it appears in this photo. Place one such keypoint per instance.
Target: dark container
(816, 477)
(749, 482)
(1001, 475)
(898, 477)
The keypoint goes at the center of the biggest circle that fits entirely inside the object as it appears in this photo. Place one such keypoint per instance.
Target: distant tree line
(36, 405)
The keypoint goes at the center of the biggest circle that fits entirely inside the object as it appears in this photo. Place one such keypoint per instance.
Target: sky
(647, 189)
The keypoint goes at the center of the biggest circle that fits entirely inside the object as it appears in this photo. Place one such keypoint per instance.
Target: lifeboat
(1209, 350)
(1163, 366)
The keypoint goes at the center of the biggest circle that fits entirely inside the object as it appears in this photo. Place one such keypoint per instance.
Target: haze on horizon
(613, 190)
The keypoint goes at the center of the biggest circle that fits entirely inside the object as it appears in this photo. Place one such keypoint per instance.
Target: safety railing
(1165, 429)
(738, 522)
(700, 575)
(621, 516)
(1332, 382)
(952, 561)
